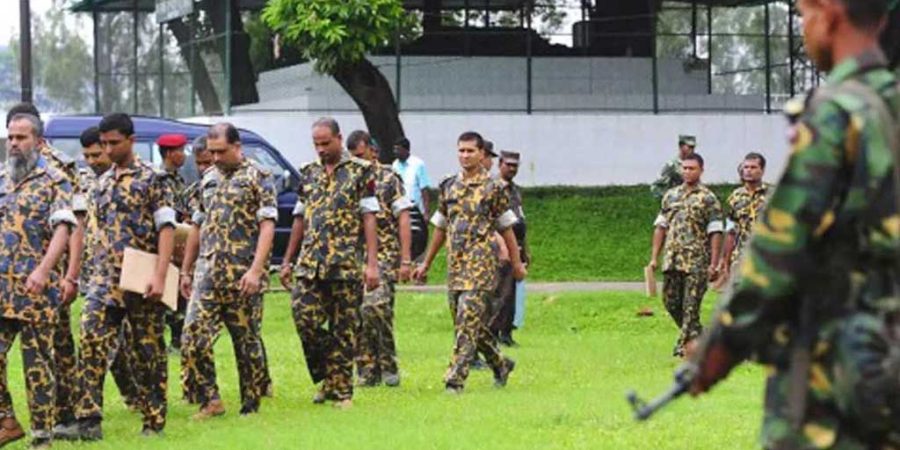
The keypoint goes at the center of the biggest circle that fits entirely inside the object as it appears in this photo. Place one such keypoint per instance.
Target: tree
(336, 36)
(61, 60)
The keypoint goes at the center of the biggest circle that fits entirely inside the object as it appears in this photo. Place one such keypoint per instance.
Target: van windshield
(72, 147)
(148, 152)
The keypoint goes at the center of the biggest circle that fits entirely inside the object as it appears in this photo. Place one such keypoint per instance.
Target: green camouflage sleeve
(798, 214)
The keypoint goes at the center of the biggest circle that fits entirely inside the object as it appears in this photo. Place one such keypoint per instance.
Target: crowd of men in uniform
(65, 232)
(688, 232)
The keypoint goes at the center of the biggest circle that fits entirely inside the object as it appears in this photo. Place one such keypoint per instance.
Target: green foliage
(337, 33)
(61, 61)
(579, 354)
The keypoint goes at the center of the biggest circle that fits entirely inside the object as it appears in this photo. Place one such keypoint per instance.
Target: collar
(40, 168)
(480, 177)
(856, 65)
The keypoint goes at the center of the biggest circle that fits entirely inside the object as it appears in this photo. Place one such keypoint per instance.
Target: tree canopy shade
(336, 36)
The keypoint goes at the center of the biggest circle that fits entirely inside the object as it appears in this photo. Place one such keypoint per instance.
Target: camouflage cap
(686, 139)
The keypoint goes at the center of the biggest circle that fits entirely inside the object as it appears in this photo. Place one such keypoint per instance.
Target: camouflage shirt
(836, 197)
(29, 214)
(177, 186)
(689, 216)
(471, 211)
(188, 201)
(130, 206)
(231, 207)
(332, 208)
(744, 207)
(392, 201)
(63, 163)
(669, 177)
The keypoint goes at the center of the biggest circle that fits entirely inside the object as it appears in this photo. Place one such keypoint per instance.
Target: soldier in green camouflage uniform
(376, 356)
(473, 207)
(745, 205)
(233, 227)
(336, 201)
(818, 300)
(35, 221)
(690, 225)
(132, 204)
(670, 175)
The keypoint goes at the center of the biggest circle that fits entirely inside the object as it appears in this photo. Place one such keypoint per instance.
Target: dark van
(63, 133)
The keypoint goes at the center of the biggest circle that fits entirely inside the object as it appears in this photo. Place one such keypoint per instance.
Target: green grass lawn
(579, 354)
(587, 234)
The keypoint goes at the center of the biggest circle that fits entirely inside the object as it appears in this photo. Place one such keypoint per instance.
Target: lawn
(579, 354)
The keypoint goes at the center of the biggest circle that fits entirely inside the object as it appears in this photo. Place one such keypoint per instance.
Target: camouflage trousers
(207, 312)
(66, 367)
(471, 312)
(376, 354)
(100, 325)
(265, 386)
(682, 294)
(503, 309)
(853, 392)
(121, 365)
(37, 362)
(326, 314)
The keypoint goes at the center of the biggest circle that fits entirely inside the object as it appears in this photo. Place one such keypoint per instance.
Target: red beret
(172, 140)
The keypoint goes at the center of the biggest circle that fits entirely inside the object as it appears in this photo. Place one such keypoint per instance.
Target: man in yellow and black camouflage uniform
(376, 357)
(234, 226)
(745, 205)
(120, 360)
(690, 224)
(65, 364)
(132, 204)
(35, 222)
(336, 201)
(472, 208)
(171, 150)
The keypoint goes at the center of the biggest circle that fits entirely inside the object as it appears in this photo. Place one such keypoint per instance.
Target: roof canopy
(142, 5)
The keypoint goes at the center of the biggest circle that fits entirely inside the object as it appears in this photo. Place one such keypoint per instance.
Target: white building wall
(559, 149)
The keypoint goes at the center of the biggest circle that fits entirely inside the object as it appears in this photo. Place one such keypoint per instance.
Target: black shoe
(68, 431)
(251, 407)
(322, 396)
(148, 431)
(41, 443)
(502, 376)
(452, 389)
(391, 379)
(90, 429)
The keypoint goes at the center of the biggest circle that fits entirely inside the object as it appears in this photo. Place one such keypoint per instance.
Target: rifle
(684, 377)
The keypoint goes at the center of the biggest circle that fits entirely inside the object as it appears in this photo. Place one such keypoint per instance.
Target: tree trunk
(203, 84)
(243, 77)
(370, 90)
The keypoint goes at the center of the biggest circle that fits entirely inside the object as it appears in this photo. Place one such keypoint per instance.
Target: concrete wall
(447, 83)
(560, 149)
